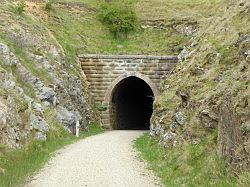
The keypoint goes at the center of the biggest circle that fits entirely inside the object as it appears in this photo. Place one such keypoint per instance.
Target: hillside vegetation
(202, 116)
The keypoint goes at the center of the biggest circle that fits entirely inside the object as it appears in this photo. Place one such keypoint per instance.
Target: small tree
(120, 18)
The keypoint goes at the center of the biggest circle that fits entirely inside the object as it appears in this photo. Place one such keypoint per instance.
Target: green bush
(20, 7)
(49, 5)
(119, 17)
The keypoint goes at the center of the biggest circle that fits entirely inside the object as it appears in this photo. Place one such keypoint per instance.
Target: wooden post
(229, 134)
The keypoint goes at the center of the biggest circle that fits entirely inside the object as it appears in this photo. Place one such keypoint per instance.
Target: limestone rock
(208, 120)
(156, 129)
(14, 133)
(71, 96)
(180, 118)
(16, 119)
(54, 52)
(40, 136)
(69, 118)
(183, 54)
(174, 126)
(8, 57)
(3, 112)
(186, 29)
(37, 107)
(11, 128)
(39, 124)
(169, 136)
(48, 94)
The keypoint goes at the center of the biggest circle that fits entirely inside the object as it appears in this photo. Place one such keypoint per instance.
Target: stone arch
(111, 88)
(111, 91)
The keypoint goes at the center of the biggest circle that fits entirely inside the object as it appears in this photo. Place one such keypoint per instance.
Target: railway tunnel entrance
(132, 104)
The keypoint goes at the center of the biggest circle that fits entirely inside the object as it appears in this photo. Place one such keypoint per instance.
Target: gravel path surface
(105, 160)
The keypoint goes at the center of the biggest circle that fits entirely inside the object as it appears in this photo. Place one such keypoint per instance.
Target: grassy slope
(20, 164)
(215, 50)
(221, 62)
(78, 30)
(189, 165)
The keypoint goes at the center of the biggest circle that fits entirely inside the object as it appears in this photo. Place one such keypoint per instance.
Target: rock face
(30, 90)
(9, 57)
(12, 129)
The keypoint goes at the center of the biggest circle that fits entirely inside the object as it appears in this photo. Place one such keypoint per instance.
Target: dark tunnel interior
(132, 103)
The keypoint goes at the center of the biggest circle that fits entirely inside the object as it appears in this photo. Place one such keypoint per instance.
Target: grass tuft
(20, 7)
(49, 5)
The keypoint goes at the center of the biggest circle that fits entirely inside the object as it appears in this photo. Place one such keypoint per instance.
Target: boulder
(169, 136)
(48, 94)
(180, 118)
(156, 128)
(39, 124)
(9, 84)
(37, 107)
(208, 120)
(68, 118)
(40, 136)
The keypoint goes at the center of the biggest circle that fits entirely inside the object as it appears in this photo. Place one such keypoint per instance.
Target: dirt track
(105, 160)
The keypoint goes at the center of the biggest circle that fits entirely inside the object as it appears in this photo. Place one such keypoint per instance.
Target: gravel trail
(105, 160)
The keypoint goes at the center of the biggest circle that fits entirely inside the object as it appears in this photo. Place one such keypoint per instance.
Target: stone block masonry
(104, 72)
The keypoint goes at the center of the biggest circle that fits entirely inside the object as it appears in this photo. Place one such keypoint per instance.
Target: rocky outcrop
(13, 113)
(26, 94)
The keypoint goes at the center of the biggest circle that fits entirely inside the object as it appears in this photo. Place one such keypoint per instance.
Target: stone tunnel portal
(132, 104)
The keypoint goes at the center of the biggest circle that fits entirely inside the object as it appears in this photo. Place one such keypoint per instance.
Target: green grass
(91, 36)
(188, 165)
(20, 164)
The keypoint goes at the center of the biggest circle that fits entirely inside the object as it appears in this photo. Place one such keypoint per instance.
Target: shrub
(120, 18)
(20, 7)
(49, 5)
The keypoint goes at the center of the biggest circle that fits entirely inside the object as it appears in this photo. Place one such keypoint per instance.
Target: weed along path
(105, 160)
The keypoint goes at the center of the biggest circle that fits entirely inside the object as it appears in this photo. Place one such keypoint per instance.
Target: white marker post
(77, 128)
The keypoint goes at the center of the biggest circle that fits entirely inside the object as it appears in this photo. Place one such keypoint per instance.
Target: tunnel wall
(103, 72)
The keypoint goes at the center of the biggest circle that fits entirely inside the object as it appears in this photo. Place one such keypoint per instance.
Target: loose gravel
(105, 160)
